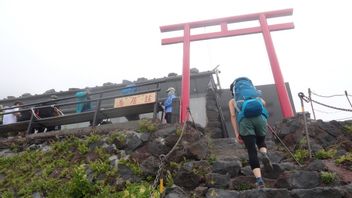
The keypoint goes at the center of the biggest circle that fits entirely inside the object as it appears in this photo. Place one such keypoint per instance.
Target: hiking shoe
(266, 162)
(259, 183)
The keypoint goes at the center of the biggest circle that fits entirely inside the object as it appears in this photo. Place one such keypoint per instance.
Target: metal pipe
(288, 150)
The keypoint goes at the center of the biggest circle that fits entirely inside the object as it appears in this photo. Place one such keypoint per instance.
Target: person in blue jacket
(83, 98)
(168, 103)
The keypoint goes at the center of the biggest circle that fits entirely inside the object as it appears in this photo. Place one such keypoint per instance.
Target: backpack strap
(236, 107)
(59, 112)
(35, 114)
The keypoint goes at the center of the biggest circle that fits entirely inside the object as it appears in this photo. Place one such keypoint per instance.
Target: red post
(184, 104)
(285, 103)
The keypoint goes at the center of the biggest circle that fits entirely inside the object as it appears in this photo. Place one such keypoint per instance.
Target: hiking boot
(266, 161)
(259, 183)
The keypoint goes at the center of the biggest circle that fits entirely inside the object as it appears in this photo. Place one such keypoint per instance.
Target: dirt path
(344, 174)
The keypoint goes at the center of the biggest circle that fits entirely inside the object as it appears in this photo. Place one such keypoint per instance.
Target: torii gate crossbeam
(264, 28)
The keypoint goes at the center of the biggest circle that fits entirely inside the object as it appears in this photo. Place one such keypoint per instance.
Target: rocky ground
(114, 161)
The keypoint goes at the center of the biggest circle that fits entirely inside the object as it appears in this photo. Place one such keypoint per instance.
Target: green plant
(302, 142)
(14, 147)
(348, 128)
(140, 190)
(61, 146)
(243, 186)
(244, 162)
(79, 186)
(7, 194)
(178, 131)
(301, 155)
(212, 159)
(169, 179)
(100, 166)
(102, 154)
(82, 147)
(133, 166)
(105, 192)
(147, 126)
(327, 177)
(323, 154)
(345, 159)
(121, 137)
(175, 165)
(93, 138)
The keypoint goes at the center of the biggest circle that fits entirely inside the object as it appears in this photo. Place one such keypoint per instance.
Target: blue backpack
(248, 103)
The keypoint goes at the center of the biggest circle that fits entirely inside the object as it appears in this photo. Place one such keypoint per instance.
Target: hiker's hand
(239, 139)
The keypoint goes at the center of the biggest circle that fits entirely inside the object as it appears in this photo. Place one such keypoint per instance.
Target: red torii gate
(264, 28)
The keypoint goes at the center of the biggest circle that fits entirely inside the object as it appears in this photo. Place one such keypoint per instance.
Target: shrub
(212, 159)
(169, 180)
(348, 128)
(345, 159)
(301, 155)
(136, 169)
(117, 135)
(82, 147)
(100, 166)
(175, 165)
(327, 177)
(147, 126)
(243, 186)
(140, 190)
(92, 139)
(79, 186)
(323, 154)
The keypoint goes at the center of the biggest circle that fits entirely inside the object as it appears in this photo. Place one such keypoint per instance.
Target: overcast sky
(64, 44)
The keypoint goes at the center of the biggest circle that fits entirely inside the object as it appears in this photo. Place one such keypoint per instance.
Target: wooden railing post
(97, 110)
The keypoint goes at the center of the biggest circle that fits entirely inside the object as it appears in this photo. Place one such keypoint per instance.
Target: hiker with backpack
(47, 109)
(249, 122)
(84, 104)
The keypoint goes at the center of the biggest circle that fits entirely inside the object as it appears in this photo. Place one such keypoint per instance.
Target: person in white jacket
(9, 117)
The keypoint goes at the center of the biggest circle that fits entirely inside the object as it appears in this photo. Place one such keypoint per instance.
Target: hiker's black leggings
(250, 141)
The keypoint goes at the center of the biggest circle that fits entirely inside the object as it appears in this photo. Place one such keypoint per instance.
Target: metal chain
(158, 174)
(163, 158)
(305, 98)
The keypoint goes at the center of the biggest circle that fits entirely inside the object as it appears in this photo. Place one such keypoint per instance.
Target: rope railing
(330, 96)
(310, 100)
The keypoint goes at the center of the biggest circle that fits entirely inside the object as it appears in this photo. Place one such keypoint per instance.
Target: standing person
(84, 105)
(168, 103)
(10, 118)
(1, 115)
(249, 122)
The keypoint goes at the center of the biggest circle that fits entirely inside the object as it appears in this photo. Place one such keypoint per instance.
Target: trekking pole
(288, 150)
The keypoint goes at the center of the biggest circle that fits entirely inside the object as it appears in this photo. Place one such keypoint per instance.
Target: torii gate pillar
(264, 28)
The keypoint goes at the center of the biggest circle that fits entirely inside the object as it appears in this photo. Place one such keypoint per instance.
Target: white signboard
(135, 100)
